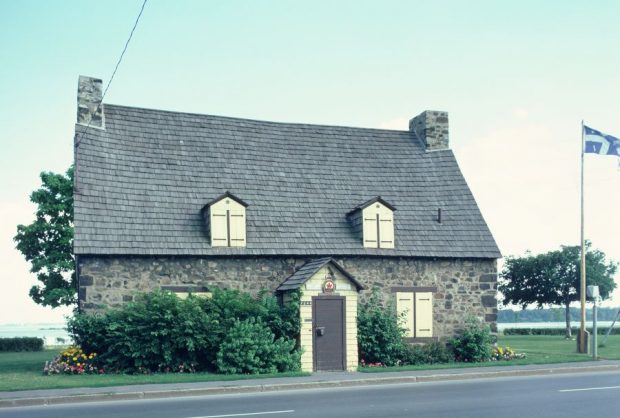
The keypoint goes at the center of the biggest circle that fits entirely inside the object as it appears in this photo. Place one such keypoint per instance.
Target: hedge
(554, 331)
(159, 332)
(21, 344)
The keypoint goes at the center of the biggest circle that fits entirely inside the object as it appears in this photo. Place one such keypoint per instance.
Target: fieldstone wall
(464, 286)
(431, 126)
(90, 109)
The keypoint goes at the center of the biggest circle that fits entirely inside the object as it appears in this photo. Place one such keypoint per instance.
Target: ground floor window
(415, 306)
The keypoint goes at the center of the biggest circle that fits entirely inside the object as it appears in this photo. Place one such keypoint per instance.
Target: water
(574, 324)
(53, 333)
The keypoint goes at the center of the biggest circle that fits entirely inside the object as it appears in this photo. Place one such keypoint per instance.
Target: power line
(124, 49)
(120, 59)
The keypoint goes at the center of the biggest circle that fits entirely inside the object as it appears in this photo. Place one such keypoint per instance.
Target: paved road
(575, 395)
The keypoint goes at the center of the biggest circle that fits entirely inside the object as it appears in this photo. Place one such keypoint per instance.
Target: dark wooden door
(329, 333)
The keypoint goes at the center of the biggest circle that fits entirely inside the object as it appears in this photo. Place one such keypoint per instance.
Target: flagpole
(582, 328)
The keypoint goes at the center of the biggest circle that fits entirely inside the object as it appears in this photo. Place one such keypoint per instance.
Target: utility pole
(593, 293)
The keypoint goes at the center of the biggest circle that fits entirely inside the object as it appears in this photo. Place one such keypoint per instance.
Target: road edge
(161, 394)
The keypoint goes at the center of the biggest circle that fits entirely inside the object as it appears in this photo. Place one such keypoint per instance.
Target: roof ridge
(261, 121)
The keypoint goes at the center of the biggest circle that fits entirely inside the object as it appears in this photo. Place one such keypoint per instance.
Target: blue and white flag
(597, 142)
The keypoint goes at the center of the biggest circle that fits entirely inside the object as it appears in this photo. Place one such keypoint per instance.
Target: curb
(161, 394)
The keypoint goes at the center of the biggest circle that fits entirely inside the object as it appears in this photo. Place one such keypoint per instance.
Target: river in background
(575, 324)
(52, 333)
(56, 334)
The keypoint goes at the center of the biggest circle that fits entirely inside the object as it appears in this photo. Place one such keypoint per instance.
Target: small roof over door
(305, 273)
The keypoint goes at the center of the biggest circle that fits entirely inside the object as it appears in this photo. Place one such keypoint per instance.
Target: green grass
(552, 348)
(23, 371)
(540, 349)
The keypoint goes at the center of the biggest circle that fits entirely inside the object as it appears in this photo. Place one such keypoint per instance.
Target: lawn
(540, 349)
(553, 349)
(23, 371)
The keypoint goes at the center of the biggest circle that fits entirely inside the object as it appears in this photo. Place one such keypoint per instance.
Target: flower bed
(73, 360)
(505, 353)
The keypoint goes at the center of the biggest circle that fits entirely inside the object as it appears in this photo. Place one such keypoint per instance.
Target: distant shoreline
(53, 333)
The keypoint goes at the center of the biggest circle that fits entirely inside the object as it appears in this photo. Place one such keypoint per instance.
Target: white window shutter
(237, 228)
(219, 229)
(423, 314)
(370, 231)
(404, 309)
(386, 233)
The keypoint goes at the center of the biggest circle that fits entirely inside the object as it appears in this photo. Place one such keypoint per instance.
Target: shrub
(89, 331)
(379, 336)
(413, 354)
(282, 319)
(21, 344)
(475, 342)
(438, 353)
(157, 332)
(160, 332)
(226, 307)
(431, 353)
(73, 360)
(251, 347)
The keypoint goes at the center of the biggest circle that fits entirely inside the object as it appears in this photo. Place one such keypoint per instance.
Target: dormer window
(374, 222)
(225, 220)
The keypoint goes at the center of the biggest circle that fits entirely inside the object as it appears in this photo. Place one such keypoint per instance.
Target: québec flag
(597, 142)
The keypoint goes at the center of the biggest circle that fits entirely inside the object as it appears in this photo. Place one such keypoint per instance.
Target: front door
(329, 333)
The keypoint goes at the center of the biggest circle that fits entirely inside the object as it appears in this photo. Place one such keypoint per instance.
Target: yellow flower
(74, 358)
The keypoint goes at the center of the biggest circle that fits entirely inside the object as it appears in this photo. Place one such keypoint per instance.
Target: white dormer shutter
(237, 228)
(219, 228)
(370, 230)
(423, 314)
(386, 229)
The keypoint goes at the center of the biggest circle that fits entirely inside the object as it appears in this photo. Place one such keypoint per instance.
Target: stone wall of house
(464, 286)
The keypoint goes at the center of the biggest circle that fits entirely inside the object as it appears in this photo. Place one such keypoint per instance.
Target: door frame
(344, 328)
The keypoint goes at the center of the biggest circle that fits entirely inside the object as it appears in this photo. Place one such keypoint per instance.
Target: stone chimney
(431, 127)
(90, 108)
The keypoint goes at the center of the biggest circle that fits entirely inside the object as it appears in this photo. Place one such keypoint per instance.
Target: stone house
(191, 202)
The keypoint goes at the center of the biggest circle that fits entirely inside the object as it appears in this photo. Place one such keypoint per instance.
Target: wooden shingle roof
(141, 184)
(305, 273)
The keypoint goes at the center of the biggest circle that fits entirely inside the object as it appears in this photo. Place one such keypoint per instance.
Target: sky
(517, 78)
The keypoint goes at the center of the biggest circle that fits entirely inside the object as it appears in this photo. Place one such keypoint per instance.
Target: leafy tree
(553, 278)
(48, 241)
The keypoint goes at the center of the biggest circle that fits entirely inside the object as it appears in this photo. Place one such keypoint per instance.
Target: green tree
(553, 278)
(47, 243)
